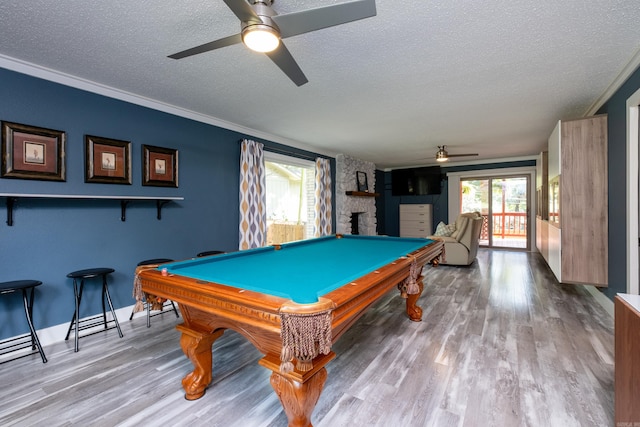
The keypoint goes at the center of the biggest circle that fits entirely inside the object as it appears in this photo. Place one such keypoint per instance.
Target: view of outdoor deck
(505, 217)
(509, 230)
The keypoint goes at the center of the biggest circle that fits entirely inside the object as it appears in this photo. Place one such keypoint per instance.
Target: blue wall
(616, 109)
(51, 238)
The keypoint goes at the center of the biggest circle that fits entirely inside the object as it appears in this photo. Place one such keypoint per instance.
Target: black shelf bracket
(10, 203)
(123, 210)
(159, 205)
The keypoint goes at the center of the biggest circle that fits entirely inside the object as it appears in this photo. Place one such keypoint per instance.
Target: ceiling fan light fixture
(442, 155)
(260, 38)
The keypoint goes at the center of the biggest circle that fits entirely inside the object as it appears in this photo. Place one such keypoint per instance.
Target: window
(290, 193)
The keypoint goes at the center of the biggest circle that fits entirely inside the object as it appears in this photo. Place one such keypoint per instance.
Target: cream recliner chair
(461, 247)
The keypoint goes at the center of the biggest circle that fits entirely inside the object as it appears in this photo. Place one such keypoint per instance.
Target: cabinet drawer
(414, 229)
(417, 216)
(418, 223)
(415, 233)
(415, 207)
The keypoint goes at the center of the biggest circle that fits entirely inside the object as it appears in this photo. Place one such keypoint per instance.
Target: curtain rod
(297, 154)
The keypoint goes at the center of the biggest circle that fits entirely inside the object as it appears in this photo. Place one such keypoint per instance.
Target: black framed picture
(361, 178)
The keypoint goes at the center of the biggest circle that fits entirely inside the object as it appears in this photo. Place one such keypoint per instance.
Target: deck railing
(507, 224)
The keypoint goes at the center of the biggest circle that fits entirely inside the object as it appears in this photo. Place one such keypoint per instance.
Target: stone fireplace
(354, 211)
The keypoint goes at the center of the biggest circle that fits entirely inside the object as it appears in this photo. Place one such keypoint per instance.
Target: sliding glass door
(504, 205)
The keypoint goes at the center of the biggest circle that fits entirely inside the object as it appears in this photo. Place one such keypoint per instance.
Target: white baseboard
(601, 298)
(55, 334)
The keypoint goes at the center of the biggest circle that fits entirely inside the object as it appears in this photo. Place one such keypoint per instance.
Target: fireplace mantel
(361, 194)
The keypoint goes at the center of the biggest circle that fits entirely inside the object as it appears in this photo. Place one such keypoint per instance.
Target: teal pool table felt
(301, 271)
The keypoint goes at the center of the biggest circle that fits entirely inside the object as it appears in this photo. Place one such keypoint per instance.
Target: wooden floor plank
(501, 344)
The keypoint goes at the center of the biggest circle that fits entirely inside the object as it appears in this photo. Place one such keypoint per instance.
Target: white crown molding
(48, 74)
(622, 77)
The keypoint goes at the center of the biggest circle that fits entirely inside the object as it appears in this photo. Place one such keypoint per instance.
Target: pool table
(291, 301)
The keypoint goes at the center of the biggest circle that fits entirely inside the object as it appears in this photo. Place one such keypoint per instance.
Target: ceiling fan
(442, 155)
(262, 29)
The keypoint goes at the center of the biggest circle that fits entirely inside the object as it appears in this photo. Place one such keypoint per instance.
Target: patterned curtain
(322, 225)
(253, 214)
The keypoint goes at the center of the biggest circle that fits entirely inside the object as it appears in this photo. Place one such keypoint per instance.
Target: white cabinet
(416, 220)
(578, 202)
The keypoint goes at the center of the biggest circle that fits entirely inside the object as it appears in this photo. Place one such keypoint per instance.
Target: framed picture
(30, 152)
(159, 166)
(107, 160)
(361, 178)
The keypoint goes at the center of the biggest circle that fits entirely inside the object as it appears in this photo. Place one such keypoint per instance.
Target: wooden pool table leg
(298, 391)
(413, 311)
(197, 347)
(299, 399)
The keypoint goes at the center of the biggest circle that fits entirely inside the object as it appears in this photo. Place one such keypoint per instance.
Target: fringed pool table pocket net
(304, 337)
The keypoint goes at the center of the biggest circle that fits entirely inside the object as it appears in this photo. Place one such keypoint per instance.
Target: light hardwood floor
(500, 344)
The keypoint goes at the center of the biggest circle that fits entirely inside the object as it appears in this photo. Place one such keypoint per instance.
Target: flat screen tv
(416, 181)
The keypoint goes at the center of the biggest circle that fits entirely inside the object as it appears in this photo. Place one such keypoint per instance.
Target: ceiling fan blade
(283, 59)
(226, 41)
(462, 155)
(243, 11)
(292, 24)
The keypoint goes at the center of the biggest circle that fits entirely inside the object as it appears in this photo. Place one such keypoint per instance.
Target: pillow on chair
(444, 230)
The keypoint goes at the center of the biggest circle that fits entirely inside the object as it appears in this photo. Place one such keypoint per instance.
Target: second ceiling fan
(262, 29)
(442, 155)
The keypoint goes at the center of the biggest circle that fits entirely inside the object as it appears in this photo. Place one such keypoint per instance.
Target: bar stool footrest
(18, 343)
(167, 307)
(93, 322)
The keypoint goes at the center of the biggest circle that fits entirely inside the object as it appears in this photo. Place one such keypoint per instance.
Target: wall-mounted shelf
(12, 198)
(362, 194)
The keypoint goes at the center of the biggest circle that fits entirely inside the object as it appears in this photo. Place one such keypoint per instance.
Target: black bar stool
(168, 303)
(90, 322)
(26, 340)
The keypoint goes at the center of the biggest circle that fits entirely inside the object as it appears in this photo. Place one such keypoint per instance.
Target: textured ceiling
(490, 77)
